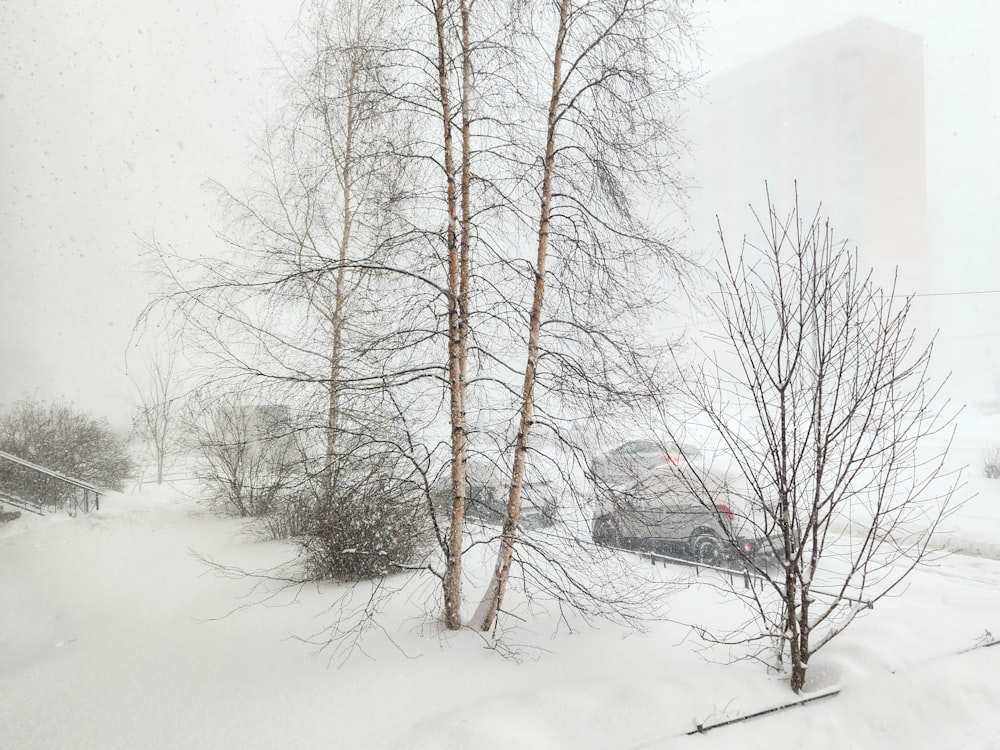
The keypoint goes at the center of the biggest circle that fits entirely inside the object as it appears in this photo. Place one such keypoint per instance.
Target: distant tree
(245, 454)
(822, 398)
(65, 439)
(154, 421)
(991, 461)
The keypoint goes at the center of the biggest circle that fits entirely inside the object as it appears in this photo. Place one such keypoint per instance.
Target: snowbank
(114, 634)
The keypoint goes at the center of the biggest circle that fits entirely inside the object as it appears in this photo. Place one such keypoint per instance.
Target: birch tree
(345, 126)
(458, 233)
(610, 140)
(456, 184)
(299, 300)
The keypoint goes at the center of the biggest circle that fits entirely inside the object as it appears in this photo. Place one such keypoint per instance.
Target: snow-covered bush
(62, 438)
(246, 458)
(376, 524)
(991, 461)
(291, 516)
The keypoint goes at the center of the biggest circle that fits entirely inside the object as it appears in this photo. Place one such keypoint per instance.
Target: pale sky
(962, 101)
(114, 113)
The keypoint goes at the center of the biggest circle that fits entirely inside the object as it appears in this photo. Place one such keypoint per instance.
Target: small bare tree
(246, 457)
(823, 401)
(154, 420)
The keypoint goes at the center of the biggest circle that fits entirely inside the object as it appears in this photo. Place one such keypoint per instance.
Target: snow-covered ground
(114, 634)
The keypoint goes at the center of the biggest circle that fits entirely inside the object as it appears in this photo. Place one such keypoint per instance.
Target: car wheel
(707, 550)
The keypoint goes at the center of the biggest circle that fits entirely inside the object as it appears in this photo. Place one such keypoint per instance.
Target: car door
(649, 512)
(673, 508)
(699, 497)
(635, 509)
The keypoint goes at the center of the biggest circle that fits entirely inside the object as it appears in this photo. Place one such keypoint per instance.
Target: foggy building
(841, 112)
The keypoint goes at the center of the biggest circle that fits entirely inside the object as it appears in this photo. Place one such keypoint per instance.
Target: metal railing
(747, 573)
(37, 489)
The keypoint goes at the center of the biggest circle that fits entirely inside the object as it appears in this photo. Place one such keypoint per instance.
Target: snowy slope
(114, 635)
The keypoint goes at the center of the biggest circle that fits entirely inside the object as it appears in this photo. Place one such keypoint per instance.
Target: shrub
(64, 439)
(247, 461)
(292, 515)
(991, 461)
(376, 524)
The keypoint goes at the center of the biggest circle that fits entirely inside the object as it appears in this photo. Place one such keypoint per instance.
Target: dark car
(678, 513)
(488, 488)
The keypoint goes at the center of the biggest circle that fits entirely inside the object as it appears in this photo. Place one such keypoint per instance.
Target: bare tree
(154, 422)
(821, 396)
(245, 453)
(444, 196)
(328, 296)
(295, 304)
(609, 125)
(457, 252)
(504, 116)
(340, 133)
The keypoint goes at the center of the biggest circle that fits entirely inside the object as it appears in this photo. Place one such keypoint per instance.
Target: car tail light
(725, 510)
(672, 459)
(748, 547)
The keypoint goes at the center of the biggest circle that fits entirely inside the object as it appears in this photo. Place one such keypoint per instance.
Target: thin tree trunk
(337, 316)
(155, 398)
(487, 611)
(456, 368)
(800, 656)
(466, 196)
(791, 625)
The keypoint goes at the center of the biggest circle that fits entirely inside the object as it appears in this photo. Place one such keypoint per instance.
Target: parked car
(673, 512)
(629, 462)
(488, 487)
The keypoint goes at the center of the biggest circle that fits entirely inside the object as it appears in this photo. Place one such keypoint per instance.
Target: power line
(973, 336)
(949, 294)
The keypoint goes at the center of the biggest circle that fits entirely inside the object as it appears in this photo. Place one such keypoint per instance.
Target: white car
(677, 513)
(632, 461)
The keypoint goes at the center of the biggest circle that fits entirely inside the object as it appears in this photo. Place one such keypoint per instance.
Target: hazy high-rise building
(842, 113)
